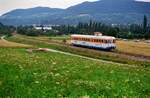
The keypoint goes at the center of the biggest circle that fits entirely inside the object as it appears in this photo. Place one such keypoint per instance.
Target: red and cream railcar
(93, 41)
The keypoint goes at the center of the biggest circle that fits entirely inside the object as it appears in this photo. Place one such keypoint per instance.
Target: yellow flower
(57, 83)
(37, 82)
(1, 83)
(54, 63)
(85, 96)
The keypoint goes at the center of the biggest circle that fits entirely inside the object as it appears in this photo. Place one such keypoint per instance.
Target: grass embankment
(81, 51)
(7, 44)
(54, 75)
(129, 47)
(124, 47)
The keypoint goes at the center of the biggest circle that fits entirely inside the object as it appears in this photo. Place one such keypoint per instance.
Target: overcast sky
(8, 5)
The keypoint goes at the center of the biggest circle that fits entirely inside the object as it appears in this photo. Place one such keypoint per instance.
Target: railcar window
(110, 41)
(88, 39)
(114, 41)
(96, 40)
(100, 41)
(105, 41)
(92, 40)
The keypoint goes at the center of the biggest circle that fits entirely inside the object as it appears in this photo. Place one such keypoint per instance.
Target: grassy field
(54, 75)
(110, 56)
(39, 74)
(139, 48)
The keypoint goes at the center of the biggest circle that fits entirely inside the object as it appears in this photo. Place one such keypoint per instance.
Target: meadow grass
(54, 75)
(81, 51)
(139, 48)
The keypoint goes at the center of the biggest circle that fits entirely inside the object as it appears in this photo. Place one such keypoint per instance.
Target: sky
(8, 5)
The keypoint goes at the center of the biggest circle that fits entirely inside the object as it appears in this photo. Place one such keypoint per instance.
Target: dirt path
(88, 58)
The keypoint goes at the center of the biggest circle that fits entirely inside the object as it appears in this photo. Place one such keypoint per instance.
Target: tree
(1, 24)
(144, 23)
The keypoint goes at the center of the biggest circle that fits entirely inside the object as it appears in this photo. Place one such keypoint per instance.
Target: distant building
(47, 28)
(98, 34)
(43, 28)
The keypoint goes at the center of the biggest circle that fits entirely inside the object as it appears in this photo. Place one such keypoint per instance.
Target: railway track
(114, 53)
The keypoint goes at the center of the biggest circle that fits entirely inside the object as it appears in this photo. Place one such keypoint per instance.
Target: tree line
(6, 30)
(130, 31)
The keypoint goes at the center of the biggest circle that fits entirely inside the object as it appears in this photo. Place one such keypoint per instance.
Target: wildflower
(127, 80)
(21, 68)
(112, 71)
(0, 83)
(85, 96)
(124, 97)
(59, 95)
(107, 87)
(34, 73)
(51, 73)
(37, 82)
(57, 83)
(57, 74)
(138, 81)
(17, 77)
(54, 63)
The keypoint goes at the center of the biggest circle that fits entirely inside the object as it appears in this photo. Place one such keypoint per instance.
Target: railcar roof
(93, 36)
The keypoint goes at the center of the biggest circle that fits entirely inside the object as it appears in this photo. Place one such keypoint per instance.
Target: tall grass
(54, 75)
